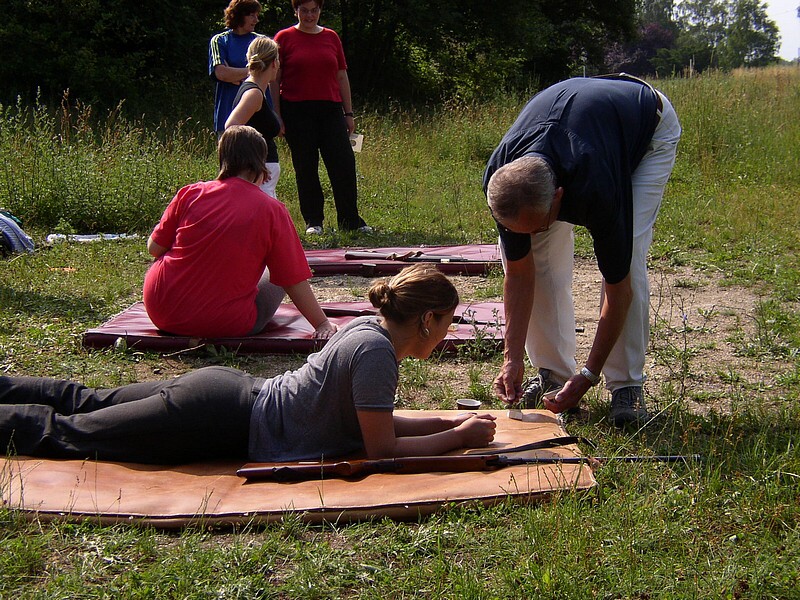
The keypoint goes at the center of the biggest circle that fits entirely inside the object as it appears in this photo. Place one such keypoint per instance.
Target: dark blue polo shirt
(593, 132)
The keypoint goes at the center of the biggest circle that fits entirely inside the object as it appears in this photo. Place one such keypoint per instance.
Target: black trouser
(201, 415)
(314, 128)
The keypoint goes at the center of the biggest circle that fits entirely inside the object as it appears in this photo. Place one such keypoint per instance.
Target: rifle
(348, 469)
(461, 318)
(412, 256)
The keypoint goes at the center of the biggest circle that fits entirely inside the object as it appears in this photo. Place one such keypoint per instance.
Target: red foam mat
(475, 259)
(288, 331)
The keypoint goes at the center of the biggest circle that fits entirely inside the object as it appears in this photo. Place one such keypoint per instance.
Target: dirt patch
(701, 329)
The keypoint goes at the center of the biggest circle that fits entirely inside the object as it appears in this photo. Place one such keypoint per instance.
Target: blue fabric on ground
(13, 237)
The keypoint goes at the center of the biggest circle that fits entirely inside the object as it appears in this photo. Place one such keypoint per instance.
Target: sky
(784, 13)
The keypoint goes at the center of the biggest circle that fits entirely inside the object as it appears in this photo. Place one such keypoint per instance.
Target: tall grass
(422, 169)
(74, 171)
(79, 172)
(725, 528)
(733, 194)
(420, 172)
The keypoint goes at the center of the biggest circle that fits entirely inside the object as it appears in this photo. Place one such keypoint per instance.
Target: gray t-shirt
(310, 413)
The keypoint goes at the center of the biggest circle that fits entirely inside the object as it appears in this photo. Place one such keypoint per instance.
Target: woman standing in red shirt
(312, 95)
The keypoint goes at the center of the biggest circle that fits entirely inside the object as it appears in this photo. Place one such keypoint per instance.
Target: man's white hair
(525, 183)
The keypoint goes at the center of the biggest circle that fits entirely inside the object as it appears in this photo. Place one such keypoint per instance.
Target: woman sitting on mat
(226, 252)
(339, 402)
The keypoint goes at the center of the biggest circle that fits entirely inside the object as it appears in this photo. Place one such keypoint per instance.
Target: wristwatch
(593, 379)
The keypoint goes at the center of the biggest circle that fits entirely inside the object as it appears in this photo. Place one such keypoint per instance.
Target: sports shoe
(314, 230)
(627, 406)
(365, 229)
(534, 389)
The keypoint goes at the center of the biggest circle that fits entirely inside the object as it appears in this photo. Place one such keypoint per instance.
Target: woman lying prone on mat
(226, 252)
(339, 402)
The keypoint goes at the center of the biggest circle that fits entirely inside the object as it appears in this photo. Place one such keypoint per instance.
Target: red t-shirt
(309, 64)
(220, 236)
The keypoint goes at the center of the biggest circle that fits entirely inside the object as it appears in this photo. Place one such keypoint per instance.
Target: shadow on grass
(750, 439)
(76, 308)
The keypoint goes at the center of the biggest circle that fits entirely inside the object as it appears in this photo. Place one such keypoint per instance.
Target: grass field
(726, 528)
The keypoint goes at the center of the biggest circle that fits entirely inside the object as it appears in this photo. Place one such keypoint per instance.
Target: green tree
(152, 54)
(656, 29)
(655, 11)
(752, 38)
(148, 53)
(426, 50)
(720, 33)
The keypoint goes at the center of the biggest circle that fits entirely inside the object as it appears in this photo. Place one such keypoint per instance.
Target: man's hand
(568, 396)
(508, 384)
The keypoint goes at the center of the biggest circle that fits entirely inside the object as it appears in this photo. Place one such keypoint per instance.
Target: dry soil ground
(700, 328)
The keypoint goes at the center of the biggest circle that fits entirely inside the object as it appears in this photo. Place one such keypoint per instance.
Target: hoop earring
(425, 332)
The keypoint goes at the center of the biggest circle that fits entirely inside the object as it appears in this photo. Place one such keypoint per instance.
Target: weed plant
(727, 527)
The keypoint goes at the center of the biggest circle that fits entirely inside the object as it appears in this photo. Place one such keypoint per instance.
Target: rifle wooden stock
(463, 463)
(358, 468)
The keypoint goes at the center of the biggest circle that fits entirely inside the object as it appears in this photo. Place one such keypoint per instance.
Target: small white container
(468, 404)
(356, 141)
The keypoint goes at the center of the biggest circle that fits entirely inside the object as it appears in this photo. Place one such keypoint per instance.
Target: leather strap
(540, 445)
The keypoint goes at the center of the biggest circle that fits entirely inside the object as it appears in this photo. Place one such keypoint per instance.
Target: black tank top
(265, 121)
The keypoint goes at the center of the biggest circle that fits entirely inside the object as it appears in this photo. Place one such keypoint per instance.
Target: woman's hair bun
(380, 294)
(415, 290)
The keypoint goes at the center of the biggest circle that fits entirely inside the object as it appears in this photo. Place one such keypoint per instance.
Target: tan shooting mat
(212, 493)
